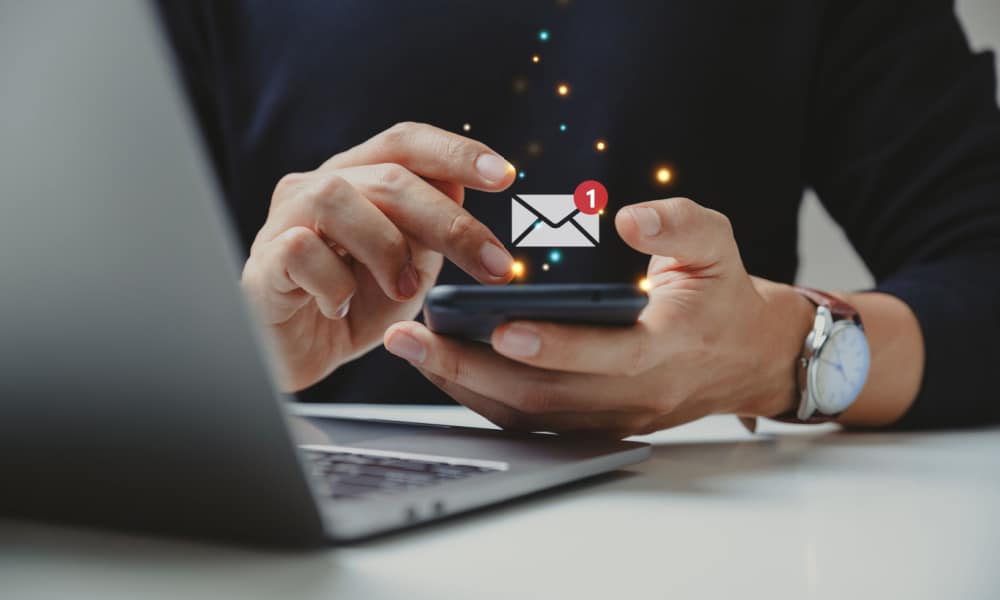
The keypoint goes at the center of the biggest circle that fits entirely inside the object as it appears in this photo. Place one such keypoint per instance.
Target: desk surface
(796, 512)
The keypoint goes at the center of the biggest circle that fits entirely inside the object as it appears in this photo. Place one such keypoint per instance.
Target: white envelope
(551, 220)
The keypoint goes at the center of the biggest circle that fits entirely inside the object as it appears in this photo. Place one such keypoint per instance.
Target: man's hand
(712, 340)
(352, 247)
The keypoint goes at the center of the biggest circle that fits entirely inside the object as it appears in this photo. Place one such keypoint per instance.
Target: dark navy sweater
(879, 106)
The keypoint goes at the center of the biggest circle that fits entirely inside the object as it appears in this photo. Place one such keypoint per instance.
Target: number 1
(592, 194)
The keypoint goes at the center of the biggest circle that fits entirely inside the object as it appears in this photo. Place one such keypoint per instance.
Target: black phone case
(474, 311)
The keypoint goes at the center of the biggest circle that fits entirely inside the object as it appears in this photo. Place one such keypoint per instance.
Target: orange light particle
(663, 175)
(536, 59)
(563, 89)
(517, 268)
(601, 145)
(645, 285)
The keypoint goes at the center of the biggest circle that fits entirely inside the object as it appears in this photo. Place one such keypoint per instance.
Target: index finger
(432, 153)
(578, 348)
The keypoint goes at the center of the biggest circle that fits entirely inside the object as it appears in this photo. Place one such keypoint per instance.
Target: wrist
(786, 320)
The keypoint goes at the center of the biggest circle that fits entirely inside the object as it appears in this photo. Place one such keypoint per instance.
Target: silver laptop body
(135, 391)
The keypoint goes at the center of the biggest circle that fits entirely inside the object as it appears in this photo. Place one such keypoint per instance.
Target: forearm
(895, 343)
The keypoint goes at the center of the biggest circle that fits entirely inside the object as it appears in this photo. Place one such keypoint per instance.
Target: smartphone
(474, 311)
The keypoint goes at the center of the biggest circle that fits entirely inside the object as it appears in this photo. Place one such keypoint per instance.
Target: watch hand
(836, 351)
(836, 365)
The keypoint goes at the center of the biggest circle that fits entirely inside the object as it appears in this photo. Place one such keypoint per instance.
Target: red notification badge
(590, 197)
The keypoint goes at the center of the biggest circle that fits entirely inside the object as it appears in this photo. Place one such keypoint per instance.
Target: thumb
(691, 234)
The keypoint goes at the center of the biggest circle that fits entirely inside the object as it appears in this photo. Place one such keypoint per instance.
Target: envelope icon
(551, 220)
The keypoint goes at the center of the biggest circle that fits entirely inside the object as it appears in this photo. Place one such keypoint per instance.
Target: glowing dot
(537, 224)
(563, 89)
(663, 175)
(536, 59)
(545, 267)
(555, 256)
(521, 175)
(601, 145)
(534, 148)
(543, 35)
(466, 127)
(644, 285)
(562, 127)
(601, 212)
(517, 268)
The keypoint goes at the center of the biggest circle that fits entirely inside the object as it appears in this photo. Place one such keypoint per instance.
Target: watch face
(838, 372)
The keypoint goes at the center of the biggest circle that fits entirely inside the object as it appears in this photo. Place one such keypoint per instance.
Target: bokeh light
(563, 89)
(562, 127)
(517, 268)
(543, 35)
(664, 175)
(521, 174)
(545, 267)
(645, 285)
(555, 256)
(466, 127)
(536, 58)
(600, 145)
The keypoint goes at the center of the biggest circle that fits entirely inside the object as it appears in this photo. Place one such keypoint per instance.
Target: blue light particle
(543, 35)
(521, 175)
(562, 127)
(555, 256)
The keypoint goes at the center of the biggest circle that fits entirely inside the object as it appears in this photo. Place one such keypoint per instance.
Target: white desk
(716, 513)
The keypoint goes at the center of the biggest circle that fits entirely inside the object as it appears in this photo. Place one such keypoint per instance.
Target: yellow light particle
(645, 285)
(601, 145)
(601, 212)
(545, 267)
(466, 127)
(663, 175)
(536, 59)
(562, 89)
(517, 268)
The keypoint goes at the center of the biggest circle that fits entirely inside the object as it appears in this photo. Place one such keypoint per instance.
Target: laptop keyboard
(353, 474)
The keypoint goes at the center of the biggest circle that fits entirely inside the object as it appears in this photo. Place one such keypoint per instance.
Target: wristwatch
(834, 362)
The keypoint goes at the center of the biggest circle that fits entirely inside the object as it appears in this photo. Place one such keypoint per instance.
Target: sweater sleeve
(904, 151)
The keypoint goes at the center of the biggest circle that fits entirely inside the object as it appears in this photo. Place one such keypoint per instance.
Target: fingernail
(518, 340)
(406, 346)
(495, 259)
(342, 311)
(492, 168)
(647, 219)
(409, 282)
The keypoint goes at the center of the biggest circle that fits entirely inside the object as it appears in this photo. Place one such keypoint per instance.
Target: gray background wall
(827, 260)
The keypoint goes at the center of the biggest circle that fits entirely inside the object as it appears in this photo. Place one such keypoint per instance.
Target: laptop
(136, 391)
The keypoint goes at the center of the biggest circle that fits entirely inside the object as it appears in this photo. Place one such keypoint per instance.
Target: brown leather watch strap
(838, 307)
(792, 417)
